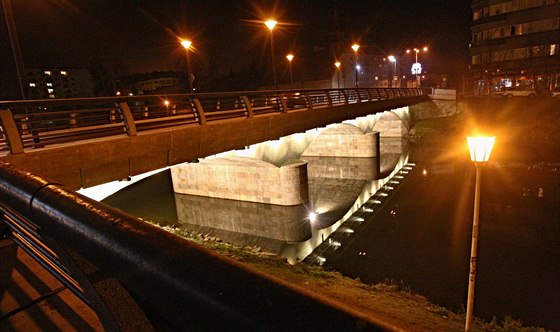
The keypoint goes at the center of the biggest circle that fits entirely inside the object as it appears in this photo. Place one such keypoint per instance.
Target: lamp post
(480, 149)
(394, 61)
(270, 24)
(290, 57)
(417, 67)
(355, 47)
(187, 45)
(337, 65)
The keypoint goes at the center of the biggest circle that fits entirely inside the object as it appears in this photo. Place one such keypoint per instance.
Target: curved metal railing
(40, 123)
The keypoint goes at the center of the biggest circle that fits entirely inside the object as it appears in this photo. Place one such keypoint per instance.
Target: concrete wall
(244, 179)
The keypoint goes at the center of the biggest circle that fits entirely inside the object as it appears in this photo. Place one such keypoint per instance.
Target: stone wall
(343, 140)
(244, 179)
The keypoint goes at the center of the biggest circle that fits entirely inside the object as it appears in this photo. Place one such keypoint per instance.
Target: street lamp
(355, 47)
(480, 149)
(270, 24)
(290, 57)
(417, 67)
(394, 61)
(187, 45)
(337, 65)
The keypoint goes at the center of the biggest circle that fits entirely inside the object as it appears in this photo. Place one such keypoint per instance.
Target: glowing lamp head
(392, 58)
(270, 24)
(290, 57)
(186, 44)
(480, 148)
(337, 64)
(312, 216)
(355, 47)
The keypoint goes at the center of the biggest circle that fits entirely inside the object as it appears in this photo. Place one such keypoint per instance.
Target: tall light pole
(355, 47)
(417, 67)
(14, 40)
(270, 24)
(480, 149)
(187, 45)
(337, 65)
(394, 61)
(290, 57)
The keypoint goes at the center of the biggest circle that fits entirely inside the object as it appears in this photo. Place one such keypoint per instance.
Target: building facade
(152, 83)
(515, 43)
(58, 83)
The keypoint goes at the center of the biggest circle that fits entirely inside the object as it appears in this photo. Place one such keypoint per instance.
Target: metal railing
(41, 123)
(179, 285)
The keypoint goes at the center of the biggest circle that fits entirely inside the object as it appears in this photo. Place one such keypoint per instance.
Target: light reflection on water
(418, 233)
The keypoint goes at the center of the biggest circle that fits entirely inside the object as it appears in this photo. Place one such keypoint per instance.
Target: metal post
(189, 75)
(474, 248)
(272, 50)
(16, 50)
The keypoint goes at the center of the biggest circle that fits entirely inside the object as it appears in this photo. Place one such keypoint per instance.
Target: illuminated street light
(290, 57)
(187, 45)
(270, 24)
(480, 149)
(416, 66)
(337, 65)
(394, 61)
(355, 47)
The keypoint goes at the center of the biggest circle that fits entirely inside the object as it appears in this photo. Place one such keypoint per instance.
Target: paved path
(31, 299)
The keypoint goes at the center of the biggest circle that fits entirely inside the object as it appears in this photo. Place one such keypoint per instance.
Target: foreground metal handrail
(183, 284)
(40, 123)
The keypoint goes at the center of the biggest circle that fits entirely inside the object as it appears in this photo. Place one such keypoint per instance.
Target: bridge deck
(31, 299)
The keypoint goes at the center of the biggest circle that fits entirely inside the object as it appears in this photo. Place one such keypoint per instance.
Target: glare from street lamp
(270, 24)
(355, 47)
(392, 58)
(337, 64)
(425, 49)
(480, 148)
(290, 57)
(186, 43)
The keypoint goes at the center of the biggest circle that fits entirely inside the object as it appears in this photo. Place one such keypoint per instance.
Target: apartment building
(515, 43)
(48, 83)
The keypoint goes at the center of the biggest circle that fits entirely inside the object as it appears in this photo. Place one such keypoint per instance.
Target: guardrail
(40, 123)
(179, 285)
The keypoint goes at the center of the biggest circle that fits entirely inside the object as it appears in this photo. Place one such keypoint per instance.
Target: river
(420, 236)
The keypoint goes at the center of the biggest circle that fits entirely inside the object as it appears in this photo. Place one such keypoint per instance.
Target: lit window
(32, 85)
(48, 72)
(63, 73)
(50, 90)
(49, 84)
(51, 96)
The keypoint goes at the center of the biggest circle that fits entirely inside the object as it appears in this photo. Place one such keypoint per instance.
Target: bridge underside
(103, 160)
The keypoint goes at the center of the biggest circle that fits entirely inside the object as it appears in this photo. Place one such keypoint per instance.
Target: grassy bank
(388, 301)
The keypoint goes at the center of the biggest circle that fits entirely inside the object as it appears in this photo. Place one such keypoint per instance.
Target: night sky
(141, 36)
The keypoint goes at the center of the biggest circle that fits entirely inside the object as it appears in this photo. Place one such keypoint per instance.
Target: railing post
(248, 106)
(345, 95)
(370, 97)
(309, 103)
(329, 98)
(283, 104)
(199, 111)
(128, 119)
(11, 133)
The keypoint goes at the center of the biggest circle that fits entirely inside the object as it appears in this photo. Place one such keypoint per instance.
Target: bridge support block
(245, 179)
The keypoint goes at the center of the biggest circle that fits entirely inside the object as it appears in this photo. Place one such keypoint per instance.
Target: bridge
(63, 139)
(110, 259)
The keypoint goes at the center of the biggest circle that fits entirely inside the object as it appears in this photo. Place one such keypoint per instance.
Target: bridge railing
(178, 284)
(43, 123)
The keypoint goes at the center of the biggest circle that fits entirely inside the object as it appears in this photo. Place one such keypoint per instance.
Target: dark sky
(227, 34)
